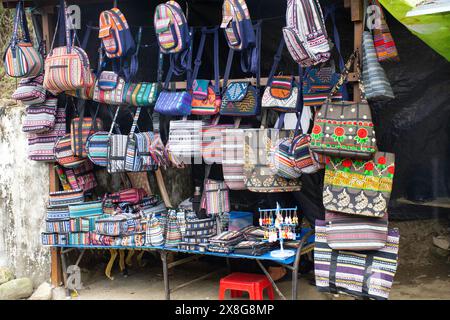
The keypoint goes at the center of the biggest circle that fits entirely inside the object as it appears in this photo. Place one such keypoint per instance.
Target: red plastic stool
(254, 284)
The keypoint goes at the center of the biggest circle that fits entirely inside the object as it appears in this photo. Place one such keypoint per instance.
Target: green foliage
(7, 84)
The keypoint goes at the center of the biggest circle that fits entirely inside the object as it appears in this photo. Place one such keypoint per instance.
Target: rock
(43, 292)
(59, 293)
(16, 289)
(5, 275)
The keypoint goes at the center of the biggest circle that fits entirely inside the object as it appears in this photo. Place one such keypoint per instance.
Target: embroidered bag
(344, 129)
(115, 34)
(240, 98)
(82, 177)
(367, 274)
(305, 32)
(258, 173)
(66, 67)
(206, 98)
(41, 146)
(30, 91)
(233, 158)
(215, 198)
(40, 118)
(360, 187)
(376, 84)
(382, 38)
(21, 59)
(282, 92)
(347, 232)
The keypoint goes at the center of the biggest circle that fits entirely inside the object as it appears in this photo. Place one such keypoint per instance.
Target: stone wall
(23, 194)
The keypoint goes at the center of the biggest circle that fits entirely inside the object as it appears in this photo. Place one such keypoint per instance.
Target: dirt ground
(146, 283)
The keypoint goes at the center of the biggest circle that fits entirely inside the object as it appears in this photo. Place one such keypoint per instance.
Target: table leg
(64, 270)
(271, 280)
(165, 273)
(228, 265)
(297, 263)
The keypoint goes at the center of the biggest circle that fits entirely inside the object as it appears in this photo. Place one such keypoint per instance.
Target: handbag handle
(344, 74)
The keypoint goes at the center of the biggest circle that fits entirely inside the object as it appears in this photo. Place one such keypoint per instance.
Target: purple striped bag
(367, 274)
(215, 197)
(40, 118)
(233, 158)
(41, 145)
(30, 91)
(347, 232)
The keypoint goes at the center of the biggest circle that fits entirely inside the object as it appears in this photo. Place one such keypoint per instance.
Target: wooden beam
(347, 4)
(56, 267)
(357, 18)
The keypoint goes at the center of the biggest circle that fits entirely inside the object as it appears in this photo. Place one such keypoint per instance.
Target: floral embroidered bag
(359, 187)
(344, 129)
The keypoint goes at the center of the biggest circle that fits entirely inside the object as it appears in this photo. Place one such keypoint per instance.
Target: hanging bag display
(185, 138)
(282, 92)
(233, 158)
(359, 187)
(366, 274)
(347, 232)
(215, 200)
(30, 91)
(65, 198)
(241, 98)
(344, 128)
(66, 67)
(82, 127)
(212, 141)
(21, 59)
(82, 177)
(41, 146)
(40, 118)
(64, 154)
(305, 33)
(109, 88)
(206, 98)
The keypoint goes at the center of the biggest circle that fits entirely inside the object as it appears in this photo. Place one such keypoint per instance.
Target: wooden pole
(356, 7)
(56, 266)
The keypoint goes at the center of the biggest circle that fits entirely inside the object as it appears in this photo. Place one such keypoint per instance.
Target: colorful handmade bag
(82, 177)
(376, 84)
(282, 159)
(80, 238)
(57, 226)
(133, 240)
(233, 158)
(346, 232)
(40, 118)
(171, 27)
(65, 198)
(54, 239)
(82, 127)
(142, 94)
(282, 92)
(85, 93)
(305, 33)
(206, 97)
(154, 235)
(173, 233)
(344, 129)
(367, 274)
(30, 91)
(382, 37)
(115, 34)
(41, 146)
(64, 155)
(57, 213)
(67, 67)
(258, 173)
(241, 98)
(131, 196)
(359, 187)
(109, 88)
(21, 59)
(215, 198)
(303, 158)
(212, 142)
(97, 148)
(86, 209)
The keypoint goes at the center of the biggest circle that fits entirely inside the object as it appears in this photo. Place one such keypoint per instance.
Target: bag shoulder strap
(276, 61)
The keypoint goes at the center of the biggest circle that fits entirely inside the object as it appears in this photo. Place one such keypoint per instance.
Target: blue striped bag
(57, 213)
(133, 240)
(97, 148)
(86, 209)
(57, 226)
(40, 118)
(79, 238)
(54, 239)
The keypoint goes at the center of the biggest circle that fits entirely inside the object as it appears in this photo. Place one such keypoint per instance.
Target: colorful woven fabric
(57, 213)
(82, 177)
(282, 159)
(359, 187)
(235, 22)
(30, 91)
(65, 198)
(135, 240)
(117, 147)
(367, 274)
(173, 103)
(23, 60)
(281, 95)
(86, 209)
(346, 232)
(173, 233)
(216, 197)
(205, 101)
(54, 239)
(185, 139)
(97, 148)
(130, 196)
(318, 84)
(382, 37)
(40, 118)
(41, 145)
(143, 94)
(104, 240)
(64, 154)
(154, 235)
(171, 27)
(80, 131)
(240, 99)
(80, 238)
(303, 160)
(233, 158)
(115, 92)
(57, 226)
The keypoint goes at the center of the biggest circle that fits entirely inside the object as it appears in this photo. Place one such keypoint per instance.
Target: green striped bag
(86, 209)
